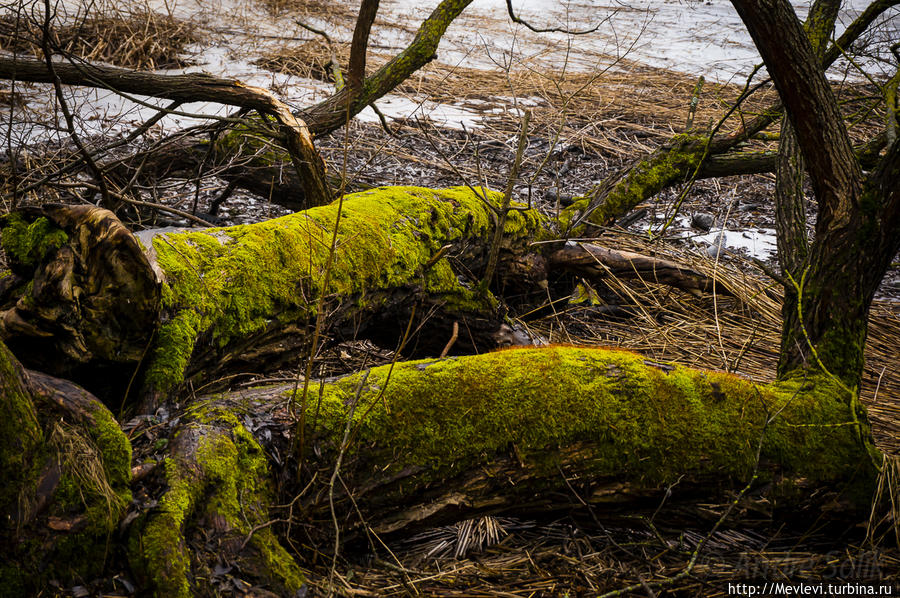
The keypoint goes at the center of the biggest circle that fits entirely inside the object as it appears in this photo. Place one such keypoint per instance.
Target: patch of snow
(694, 36)
(403, 108)
(759, 243)
(528, 102)
(700, 37)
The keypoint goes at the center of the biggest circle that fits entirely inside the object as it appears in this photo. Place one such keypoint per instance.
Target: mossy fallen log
(174, 306)
(66, 470)
(608, 418)
(517, 432)
(141, 317)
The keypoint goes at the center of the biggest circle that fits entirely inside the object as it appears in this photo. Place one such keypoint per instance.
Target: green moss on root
(92, 492)
(637, 421)
(22, 448)
(232, 282)
(252, 144)
(224, 480)
(95, 485)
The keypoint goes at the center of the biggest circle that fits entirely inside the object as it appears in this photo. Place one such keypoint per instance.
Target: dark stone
(702, 221)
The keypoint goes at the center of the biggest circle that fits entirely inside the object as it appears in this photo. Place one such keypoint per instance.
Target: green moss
(172, 350)
(251, 140)
(93, 489)
(225, 480)
(95, 483)
(585, 295)
(22, 450)
(158, 553)
(634, 421)
(671, 164)
(28, 243)
(233, 282)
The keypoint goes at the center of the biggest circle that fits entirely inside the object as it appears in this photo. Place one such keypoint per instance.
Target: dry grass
(314, 8)
(627, 110)
(82, 460)
(535, 559)
(140, 40)
(340, 16)
(312, 60)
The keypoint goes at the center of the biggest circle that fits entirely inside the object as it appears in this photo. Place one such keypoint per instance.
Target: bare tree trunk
(855, 238)
(790, 199)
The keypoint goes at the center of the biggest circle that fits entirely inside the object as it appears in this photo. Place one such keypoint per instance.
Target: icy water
(696, 37)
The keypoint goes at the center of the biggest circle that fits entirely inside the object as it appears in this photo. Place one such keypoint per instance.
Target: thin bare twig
(67, 114)
(520, 21)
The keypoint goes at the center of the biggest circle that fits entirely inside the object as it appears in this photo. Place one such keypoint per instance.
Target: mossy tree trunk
(166, 308)
(153, 312)
(423, 443)
(790, 198)
(396, 449)
(66, 470)
(416, 443)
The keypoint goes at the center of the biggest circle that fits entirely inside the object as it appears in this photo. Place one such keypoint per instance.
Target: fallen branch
(594, 261)
(192, 87)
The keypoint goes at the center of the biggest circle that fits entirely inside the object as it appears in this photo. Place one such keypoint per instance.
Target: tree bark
(357, 69)
(790, 199)
(594, 261)
(852, 248)
(801, 83)
(82, 298)
(332, 113)
(66, 468)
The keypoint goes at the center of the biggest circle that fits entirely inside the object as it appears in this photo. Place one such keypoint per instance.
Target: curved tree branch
(516, 19)
(330, 114)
